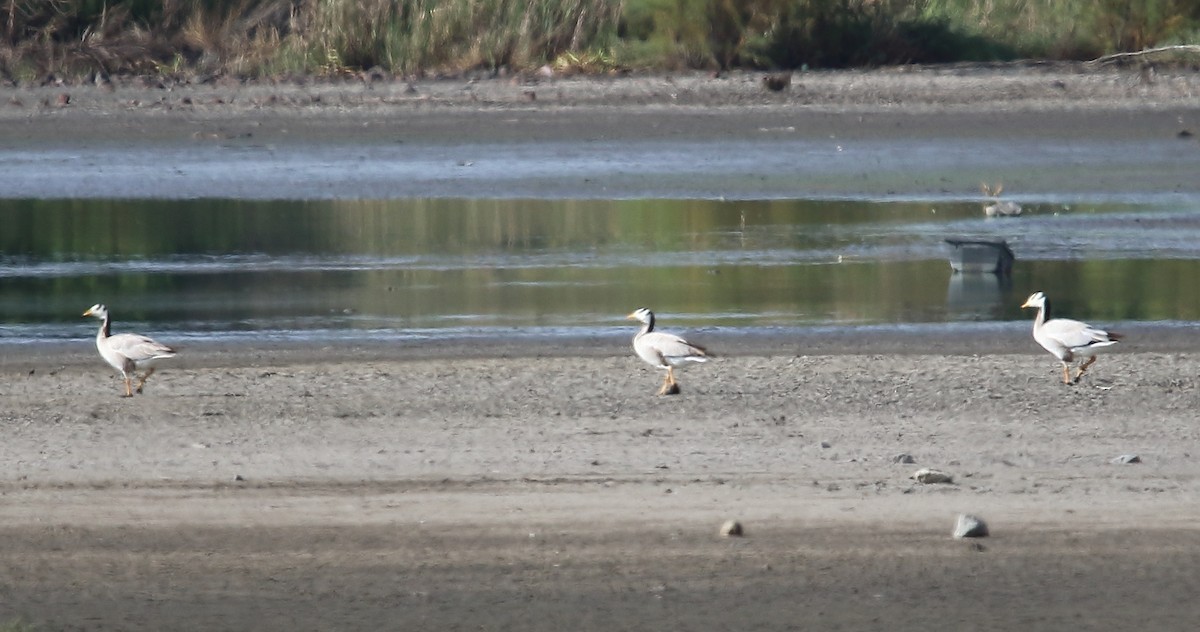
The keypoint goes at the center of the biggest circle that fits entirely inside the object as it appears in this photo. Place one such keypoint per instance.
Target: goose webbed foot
(142, 380)
(670, 386)
(669, 389)
(1084, 367)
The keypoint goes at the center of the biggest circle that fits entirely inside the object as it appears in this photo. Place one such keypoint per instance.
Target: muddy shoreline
(953, 339)
(660, 136)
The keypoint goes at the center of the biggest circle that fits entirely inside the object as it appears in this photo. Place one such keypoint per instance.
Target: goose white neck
(105, 328)
(648, 324)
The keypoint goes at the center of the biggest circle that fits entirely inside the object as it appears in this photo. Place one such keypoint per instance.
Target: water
(421, 269)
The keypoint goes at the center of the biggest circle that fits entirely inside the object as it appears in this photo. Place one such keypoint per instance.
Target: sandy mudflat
(536, 489)
(543, 493)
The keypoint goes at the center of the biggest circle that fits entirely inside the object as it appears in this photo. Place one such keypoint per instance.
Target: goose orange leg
(143, 378)
(670, 386)
(666, 385)
(128, 373)
(1083, 367)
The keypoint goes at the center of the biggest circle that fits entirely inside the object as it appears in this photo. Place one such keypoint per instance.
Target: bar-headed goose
(127, 353)
(663, 350)
(1067, 339)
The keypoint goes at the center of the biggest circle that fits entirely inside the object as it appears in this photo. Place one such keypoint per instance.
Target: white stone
(929, 476)
(968, 526)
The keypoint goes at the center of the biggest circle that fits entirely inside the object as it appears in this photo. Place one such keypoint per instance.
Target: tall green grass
(855, 33)
(1074, 29)
(248, 37)
(140, 36)
(429, 35)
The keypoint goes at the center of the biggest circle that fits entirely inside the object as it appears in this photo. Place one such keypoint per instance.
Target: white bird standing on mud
(127, 353)
(663, 350)
(1066, 338)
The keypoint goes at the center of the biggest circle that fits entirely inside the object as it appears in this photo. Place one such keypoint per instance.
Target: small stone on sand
(927, 476)
(968, 526)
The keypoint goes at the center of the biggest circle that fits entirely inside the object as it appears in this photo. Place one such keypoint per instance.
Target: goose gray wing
(139, 348)
(1073, 334)
(672, 348)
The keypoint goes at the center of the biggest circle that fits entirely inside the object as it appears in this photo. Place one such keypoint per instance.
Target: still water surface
(226, 269)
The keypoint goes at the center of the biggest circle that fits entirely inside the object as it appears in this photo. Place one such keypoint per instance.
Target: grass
(412, 37)
(1076, 29)
(431, 35)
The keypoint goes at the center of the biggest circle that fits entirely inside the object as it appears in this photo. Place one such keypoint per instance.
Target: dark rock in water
(980, 256)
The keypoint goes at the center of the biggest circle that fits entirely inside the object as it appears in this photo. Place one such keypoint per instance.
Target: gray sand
(551, 493)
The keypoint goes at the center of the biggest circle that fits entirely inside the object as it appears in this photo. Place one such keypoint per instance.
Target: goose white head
(1037, 299)
(97, 311)
(641, 314)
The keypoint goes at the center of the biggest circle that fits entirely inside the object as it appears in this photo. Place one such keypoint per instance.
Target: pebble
(732, 529)
(968, 526)
(927, 476)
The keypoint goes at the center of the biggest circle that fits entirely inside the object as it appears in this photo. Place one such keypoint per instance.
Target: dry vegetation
(271, 37)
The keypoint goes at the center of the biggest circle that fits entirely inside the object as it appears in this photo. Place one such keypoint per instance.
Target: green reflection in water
(440, 263)
(102, 228)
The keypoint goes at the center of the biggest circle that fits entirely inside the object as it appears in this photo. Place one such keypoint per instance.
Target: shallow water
(413, 269)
